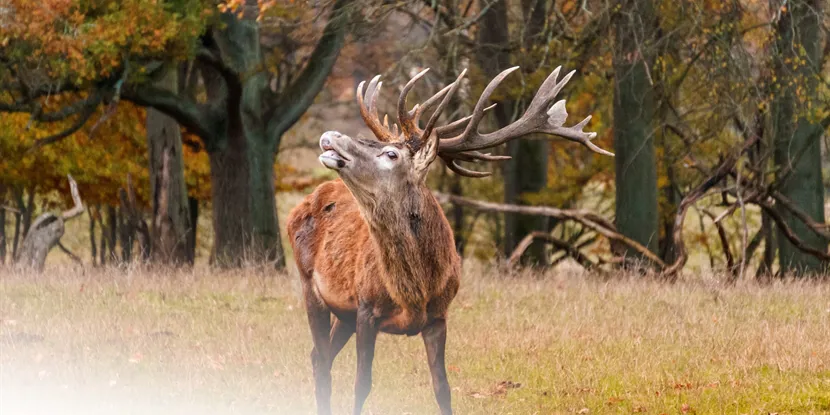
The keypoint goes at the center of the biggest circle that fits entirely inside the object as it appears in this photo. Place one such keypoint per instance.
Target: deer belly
(403, 322)
(338, 298)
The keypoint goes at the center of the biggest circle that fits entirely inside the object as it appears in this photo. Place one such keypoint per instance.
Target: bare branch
(571, 251)
(76, 198)
(588, 219)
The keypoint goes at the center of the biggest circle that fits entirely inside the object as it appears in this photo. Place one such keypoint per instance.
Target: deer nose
(326, 139)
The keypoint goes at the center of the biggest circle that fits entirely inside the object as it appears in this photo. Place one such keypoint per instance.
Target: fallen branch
(587, 218)
(70, 254)
(724, 242)
(571, 251)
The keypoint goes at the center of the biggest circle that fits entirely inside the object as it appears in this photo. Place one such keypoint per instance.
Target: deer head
(396, 160)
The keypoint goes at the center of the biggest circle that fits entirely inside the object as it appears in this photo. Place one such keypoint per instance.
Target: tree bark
(102, 260)
(635, 164)
(112, 233)
(92, 245)
(526, 171)
(244, 205)
(797, 138)
(171, 219)
(45, 233)
(242, 125)
(193, 208)
(28, 209)
(17, 218)
(2, 225)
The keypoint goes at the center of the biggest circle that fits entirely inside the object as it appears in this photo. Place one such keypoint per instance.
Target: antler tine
(456, 126)
(477, 156)
(461, 171)
(405, 118)
(369, 113)
(429, 103)
(448, 92)
(471, 131)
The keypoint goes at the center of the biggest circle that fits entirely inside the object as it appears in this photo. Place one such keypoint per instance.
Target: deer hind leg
(367, 334)
(319, 320)
(341, 332)
(435, 340)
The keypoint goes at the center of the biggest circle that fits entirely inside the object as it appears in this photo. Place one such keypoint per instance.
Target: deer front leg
(435, 340)
(319, 320)
(367, 334)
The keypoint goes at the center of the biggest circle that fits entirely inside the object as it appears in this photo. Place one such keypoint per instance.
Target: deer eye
(392, 155)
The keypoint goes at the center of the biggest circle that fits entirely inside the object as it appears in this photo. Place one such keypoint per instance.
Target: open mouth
(331, 158)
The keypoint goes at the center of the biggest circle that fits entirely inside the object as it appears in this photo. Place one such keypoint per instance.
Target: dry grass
(204, 342)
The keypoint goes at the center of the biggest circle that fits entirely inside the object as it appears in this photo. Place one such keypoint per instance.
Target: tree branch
(723, 170)
(296, 99)
(76, 198)
(82, 119)
(196, 118)
(571, 250)
(588, 219)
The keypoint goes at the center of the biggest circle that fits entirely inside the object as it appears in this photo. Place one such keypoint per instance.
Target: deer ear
(425, 155)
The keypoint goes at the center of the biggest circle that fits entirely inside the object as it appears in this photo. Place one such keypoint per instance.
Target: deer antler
(410, 129)
(537, 119)
(460, 140)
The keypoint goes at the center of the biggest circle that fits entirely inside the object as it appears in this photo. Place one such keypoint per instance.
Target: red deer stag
(374, 248)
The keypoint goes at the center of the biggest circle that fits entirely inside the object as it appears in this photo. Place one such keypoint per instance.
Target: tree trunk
(526, 172)
(45, 233)
(28, 209)
(112, 233)
(102, 260)
(171, 219)
(92, 244)
(636, 173)
(17, 218)
(193, 208)
(244, 206)
(2, 225)
(457, 215)
(126, 235)
(797, 139)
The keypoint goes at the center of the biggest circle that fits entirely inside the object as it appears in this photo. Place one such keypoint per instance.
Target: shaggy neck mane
(414, 244)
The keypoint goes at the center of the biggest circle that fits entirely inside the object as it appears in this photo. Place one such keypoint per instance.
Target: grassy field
(196, 341)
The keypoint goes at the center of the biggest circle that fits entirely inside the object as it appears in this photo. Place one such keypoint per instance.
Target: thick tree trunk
(636, 173)
(244, 205)
(457, 215)
(526, 172)
(797, 139)
(45, 233)
(171, 218)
